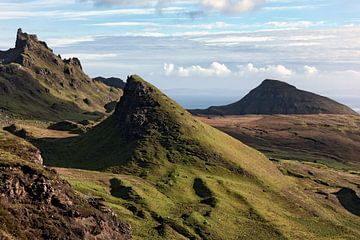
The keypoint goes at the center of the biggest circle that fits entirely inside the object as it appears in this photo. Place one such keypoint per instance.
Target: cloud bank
(224, 6)
(215, 69)
(228, 6)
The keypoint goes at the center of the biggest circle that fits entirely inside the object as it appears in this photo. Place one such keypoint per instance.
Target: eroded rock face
(139, 110)
(36, 204)
(30, 73)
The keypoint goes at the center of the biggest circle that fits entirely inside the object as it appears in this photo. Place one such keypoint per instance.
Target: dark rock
(73, 62)
(112, 82)
(36, 204)
(276, 97)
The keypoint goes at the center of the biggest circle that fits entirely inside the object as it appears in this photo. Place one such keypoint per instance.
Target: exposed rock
(73, 61)
(32, 75)
(36, 204)
(146, 130)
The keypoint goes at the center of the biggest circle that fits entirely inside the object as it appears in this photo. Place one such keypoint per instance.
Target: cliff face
(36, 204)
(276, 97)
(36, 83)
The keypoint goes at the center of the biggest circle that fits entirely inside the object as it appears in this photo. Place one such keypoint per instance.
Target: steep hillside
(149, 132)
(276, 97)
(172, 177)
(36, 83)
(36, 204)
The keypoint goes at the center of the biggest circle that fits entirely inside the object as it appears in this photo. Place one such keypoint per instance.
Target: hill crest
(36, 83)
(277, 97)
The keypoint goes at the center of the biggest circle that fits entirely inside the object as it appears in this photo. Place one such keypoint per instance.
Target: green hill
(150, 132)
(172, 177)
(36, 83)
(276, 97)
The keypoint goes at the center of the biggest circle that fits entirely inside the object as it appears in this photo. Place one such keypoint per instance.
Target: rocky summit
(148, 132)
(36, 83)
(276, 97)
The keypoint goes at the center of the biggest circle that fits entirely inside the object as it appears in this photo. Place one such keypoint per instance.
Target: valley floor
(330, 139)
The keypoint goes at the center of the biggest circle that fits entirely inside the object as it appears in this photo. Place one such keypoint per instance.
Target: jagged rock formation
(276, 97)
(36, 83)
(36, 204)
(112, 82)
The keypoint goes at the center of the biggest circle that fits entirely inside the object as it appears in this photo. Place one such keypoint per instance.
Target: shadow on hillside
(349, 200)
(55, 151)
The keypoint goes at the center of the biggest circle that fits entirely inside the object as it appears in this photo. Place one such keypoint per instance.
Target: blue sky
(203, 52)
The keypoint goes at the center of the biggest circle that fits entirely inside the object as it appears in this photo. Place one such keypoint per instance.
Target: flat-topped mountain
(276, 97)
(36, 83)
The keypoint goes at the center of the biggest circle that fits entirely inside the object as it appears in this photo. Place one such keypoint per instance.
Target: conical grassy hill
(172, 177)
(150, 132)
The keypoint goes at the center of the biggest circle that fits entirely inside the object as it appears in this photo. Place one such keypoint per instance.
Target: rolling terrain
(170, 176)
(329, 139)
(37, 84)
(276, 97)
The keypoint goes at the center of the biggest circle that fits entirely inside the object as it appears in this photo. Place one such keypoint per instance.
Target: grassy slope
(158, 171)
(40, 87)
(244, 210)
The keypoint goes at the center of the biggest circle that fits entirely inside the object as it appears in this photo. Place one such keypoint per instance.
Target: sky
(202, 52)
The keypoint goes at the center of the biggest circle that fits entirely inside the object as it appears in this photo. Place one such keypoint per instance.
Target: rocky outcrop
(139, 110)
(32, 75)
(146, 130)
(276, 97)
(36, 204)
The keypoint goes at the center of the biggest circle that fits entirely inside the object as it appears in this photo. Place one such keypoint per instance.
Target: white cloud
(268, 71)
(209, 26)
(90, 56)
(229, 6)
(224, 6)
(59, 42)
(221, 70)
(83, 15)
(126, 24)
(310, 70)
(169, 68)
(233, 40)
(215, 69)
(294, 24)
